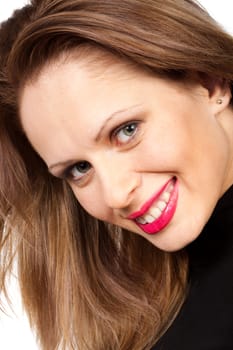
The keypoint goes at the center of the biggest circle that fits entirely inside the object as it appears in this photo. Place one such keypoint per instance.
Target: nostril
(119, 197)
(119, 184)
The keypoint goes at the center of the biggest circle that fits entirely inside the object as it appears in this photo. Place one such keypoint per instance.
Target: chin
(174, 240)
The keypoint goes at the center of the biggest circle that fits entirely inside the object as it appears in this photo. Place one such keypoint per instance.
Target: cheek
(92, 201)
(163, 150)
(177, 140)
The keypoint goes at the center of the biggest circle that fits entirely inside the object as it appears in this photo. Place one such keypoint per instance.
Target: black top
(205, 321)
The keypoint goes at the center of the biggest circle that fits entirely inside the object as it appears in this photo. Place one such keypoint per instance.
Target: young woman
(116, 194)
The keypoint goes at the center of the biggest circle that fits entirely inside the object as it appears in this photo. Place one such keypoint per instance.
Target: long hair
(87, 284)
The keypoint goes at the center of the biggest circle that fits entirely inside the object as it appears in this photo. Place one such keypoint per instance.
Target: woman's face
(147, 154)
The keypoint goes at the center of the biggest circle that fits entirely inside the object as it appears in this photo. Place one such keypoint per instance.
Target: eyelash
(113, 137)
(115, 132)
(67, 175)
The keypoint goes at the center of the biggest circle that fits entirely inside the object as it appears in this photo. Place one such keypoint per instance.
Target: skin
(179, 130)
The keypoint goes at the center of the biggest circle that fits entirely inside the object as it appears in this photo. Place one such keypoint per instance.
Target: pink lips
(167, 214)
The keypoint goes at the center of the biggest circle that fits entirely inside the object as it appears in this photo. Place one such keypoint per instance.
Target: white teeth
(165, 197)
(161, 205)
(156, 212)
(149, 218)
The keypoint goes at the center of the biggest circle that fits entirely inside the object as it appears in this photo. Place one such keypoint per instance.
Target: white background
(14, 329)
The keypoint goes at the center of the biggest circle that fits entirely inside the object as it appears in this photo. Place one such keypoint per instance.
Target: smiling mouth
(159, 210)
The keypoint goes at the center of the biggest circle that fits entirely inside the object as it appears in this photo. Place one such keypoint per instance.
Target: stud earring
(219, 101)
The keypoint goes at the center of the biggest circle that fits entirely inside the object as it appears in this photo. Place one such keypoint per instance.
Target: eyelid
(116, 130)
(66, 173)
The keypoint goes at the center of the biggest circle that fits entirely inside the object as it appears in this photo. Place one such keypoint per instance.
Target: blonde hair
(87, 284)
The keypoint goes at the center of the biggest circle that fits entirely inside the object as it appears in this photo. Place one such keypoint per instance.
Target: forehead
(84, 64)
(95, 60)
(74, 78)
(71, 98)
(75, 73)
(71, 90)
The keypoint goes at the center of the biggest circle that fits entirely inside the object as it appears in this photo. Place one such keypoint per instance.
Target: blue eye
(126, 132)
(78, 170)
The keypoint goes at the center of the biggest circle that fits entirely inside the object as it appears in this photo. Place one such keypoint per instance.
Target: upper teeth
(157, 208)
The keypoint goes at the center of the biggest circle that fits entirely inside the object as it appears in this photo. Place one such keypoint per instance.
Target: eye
(77, 171)
(125, 133)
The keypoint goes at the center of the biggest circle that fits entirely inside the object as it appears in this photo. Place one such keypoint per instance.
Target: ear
(219, 93)
(220, 99)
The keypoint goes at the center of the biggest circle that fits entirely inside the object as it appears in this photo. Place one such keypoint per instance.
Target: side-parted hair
(87, 284)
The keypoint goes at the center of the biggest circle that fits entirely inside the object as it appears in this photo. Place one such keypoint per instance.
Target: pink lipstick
(158, 211)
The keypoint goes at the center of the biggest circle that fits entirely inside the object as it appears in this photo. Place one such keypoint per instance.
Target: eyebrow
(98, 136)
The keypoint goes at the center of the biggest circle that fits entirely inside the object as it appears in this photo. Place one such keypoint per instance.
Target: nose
(118, 184)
